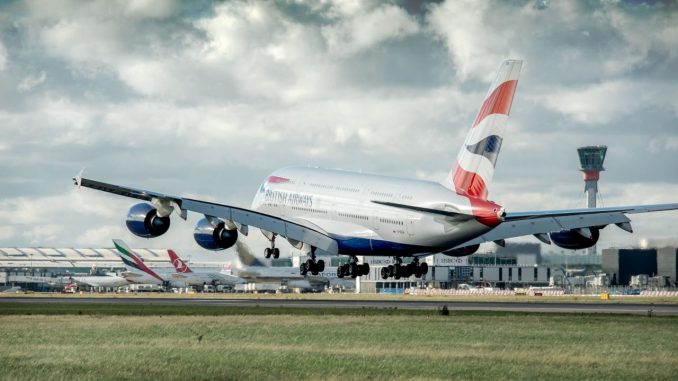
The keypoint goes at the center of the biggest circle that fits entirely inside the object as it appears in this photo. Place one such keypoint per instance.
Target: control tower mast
(591, 159)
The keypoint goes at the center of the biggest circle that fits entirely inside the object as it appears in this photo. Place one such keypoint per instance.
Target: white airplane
(350, 213)
(108, 280)
(138, 272)
(252, 270)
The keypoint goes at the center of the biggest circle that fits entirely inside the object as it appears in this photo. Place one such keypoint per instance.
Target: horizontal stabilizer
(455, 216)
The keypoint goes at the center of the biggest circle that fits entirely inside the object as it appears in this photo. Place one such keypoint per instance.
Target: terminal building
(27, 267)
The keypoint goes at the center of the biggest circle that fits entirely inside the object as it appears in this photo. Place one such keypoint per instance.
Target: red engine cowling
(575, 240)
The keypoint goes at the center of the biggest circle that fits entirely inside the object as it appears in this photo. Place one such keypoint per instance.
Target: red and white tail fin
(178, 263)
(474, 169)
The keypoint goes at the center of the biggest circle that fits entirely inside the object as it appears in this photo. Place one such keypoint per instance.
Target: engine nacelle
(462, 251)
(574, 240)
(143, 221)
(214, 237)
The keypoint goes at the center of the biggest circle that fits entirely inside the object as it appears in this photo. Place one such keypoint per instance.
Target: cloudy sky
(205, 99)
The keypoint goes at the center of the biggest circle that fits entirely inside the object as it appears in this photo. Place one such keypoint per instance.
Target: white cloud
(3, 56)
(157, 9)
(31, 81)
(7, 232)
(364, 30)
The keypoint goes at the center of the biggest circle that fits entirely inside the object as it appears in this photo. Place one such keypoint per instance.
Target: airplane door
(409, 225)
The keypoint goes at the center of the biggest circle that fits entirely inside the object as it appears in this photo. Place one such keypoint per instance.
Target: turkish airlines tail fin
(178, 263)
(474, 169)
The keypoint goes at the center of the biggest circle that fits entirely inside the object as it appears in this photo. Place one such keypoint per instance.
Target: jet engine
(143, 221)
(462, 251)
(214, 237)
(576, 238)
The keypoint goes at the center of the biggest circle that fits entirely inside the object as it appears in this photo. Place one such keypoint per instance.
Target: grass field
(162, 342)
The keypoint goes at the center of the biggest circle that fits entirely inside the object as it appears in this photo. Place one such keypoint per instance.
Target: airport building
(639, 266)
(37, 268)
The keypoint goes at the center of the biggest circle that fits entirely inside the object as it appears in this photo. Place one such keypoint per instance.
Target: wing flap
(541, 225)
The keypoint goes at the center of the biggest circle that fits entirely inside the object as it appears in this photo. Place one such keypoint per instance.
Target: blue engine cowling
(143, 221)
(573, 240)
(462, 251)
(214, 237)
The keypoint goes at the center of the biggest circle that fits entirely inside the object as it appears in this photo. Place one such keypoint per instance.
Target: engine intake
(462, 251)
(143, 221)
(574, 240)
(214, 237)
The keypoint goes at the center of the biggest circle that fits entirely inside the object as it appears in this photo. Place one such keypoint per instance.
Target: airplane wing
(543, 222)
(246, 217)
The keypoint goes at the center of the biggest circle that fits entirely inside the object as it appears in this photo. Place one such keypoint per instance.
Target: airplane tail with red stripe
(474, 169)
(178, 263)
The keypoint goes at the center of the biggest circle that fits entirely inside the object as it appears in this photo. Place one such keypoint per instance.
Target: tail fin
(474, 169)
(245, 255)
(178, 263)
(132, 261)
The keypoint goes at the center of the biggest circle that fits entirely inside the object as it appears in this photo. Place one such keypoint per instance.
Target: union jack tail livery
(474, 169)
(178, 263)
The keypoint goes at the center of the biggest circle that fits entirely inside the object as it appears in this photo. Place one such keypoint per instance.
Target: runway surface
(608, 308)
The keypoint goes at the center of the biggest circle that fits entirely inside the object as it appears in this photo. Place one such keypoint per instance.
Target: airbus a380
(349, 213)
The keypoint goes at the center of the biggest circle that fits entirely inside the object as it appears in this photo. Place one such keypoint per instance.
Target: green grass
(83, 342)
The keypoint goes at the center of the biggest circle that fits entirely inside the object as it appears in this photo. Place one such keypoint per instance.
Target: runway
(541, 307)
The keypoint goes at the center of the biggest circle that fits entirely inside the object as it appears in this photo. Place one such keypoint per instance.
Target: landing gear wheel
(391, 270)
(267, 253)
(355, 270)
(423, 268)
(365, 269)
(302, 269)
(276, 253)
(384, 273)
(340, 272)
(321, 265)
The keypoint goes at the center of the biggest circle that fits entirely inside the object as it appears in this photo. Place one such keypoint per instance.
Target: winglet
(78, 177)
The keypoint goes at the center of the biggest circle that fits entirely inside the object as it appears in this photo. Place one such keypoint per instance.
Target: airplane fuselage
(344, 205)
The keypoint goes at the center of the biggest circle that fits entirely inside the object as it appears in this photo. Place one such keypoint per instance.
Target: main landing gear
(353, 269)
(398, 270)
(311, 265)
(272, 251)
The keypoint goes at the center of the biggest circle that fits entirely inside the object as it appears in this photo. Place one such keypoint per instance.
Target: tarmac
(540, 307)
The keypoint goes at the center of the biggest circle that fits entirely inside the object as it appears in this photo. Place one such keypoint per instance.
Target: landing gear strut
(353, 269)
(272, 251)
(311, 265)
(398, 270)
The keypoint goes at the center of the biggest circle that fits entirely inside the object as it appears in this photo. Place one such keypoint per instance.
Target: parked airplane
(108, 280)
(252, 270)
(138, 272)
(351, 213)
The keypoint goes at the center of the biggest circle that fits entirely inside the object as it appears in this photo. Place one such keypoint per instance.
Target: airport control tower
(591, 159)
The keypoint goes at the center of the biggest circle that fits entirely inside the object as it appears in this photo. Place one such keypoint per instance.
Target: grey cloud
(208, 98)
